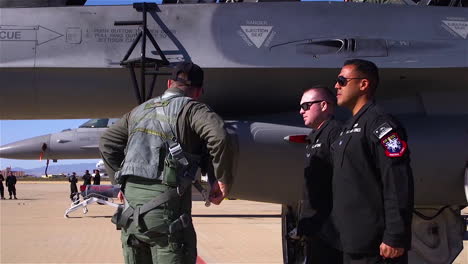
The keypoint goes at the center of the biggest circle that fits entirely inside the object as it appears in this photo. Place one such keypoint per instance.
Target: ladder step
(149, 62)
(129, 23)
(166, 52)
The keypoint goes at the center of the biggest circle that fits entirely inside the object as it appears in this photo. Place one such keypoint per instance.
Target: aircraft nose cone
(24, 149)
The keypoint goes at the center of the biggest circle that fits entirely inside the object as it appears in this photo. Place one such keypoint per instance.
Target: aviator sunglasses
(306, 105)
(342, 81)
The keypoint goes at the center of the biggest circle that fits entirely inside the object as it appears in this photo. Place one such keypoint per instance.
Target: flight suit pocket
(339, 149)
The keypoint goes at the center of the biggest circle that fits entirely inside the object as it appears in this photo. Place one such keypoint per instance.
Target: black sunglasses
(306, 105)
(342, 81)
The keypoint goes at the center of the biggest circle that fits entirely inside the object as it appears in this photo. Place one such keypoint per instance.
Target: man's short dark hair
(327, 94)
(368, 69)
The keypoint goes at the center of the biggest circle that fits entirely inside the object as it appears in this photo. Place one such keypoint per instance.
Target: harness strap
(131, 213)
(163, 198)
(203, 192)
(134, 214)
(136, 217)
(180, 223)
(124, 220)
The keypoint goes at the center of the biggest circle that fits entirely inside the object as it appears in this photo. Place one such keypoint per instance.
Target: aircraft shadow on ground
(94, 216)
(237, 215)
(203, 216)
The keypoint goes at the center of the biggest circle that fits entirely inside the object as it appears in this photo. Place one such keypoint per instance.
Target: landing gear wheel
(293, 250)
(85, 210)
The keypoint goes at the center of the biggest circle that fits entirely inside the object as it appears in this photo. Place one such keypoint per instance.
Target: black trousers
(74, 193)
(12, 190)
(319, 252)
(349, 258)
(2, 191)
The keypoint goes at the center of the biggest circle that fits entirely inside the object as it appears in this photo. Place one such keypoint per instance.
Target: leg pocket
(135, 251)
(153, 228)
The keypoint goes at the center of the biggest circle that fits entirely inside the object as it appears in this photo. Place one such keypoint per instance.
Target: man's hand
(120, 196)
(218, 192)
(387, 251)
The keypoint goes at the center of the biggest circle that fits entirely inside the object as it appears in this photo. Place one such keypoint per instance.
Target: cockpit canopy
(99, 123)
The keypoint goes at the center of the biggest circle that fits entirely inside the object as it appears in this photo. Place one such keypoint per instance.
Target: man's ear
(324, 106)
(169, 83)
(365, 85)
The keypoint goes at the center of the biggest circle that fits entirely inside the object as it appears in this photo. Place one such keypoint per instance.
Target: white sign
(257, 34)
(459, 27)
(38, 34)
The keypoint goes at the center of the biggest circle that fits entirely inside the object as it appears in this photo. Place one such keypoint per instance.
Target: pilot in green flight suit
(154, 149)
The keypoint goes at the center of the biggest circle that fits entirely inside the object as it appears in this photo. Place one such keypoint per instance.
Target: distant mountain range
(79, 168)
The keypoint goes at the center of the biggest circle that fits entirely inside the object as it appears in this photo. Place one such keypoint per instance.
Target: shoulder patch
(383, 130)
(394, 146)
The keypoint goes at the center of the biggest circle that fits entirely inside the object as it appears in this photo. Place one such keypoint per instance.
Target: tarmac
(33, 229)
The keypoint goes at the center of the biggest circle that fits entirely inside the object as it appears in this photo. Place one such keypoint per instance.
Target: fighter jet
(257, 58)
(77, 143)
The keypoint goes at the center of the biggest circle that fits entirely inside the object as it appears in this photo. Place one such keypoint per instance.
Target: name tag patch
(393, 145)
(318, 145)
(382, 130)
(354, 130)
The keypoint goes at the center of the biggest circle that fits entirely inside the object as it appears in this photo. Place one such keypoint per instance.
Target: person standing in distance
(74, 195)
(87, 178)
(372, 180)
(97, 178)
(11, 184)
(156, 148)
(2, 190)
(317, 109)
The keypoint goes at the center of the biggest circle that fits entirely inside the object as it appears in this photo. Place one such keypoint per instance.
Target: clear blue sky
(14, 130)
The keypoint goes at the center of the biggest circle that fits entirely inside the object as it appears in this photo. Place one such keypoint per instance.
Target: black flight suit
(372, 186)
(314, 221)
(10, 183)
(97, 179)
(87, 179)
(2, 190)
(73, 188)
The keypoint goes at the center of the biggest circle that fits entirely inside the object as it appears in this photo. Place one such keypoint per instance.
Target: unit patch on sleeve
(394, 146)
(382, 130)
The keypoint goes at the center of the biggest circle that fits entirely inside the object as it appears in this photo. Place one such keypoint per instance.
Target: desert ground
(33, 229)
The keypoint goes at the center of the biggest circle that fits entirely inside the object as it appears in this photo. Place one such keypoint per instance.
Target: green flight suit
(197, 127)
(179, 247)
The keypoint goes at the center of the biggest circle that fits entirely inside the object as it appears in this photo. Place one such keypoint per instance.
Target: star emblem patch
(393, 145)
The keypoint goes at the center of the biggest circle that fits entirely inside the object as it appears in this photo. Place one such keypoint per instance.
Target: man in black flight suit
(87, 178)
(2, 190)
(317, 108)
(11, 184)
(372, 179)
(74, 195)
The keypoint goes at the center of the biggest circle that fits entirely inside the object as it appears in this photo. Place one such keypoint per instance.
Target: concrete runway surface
(33, 230)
